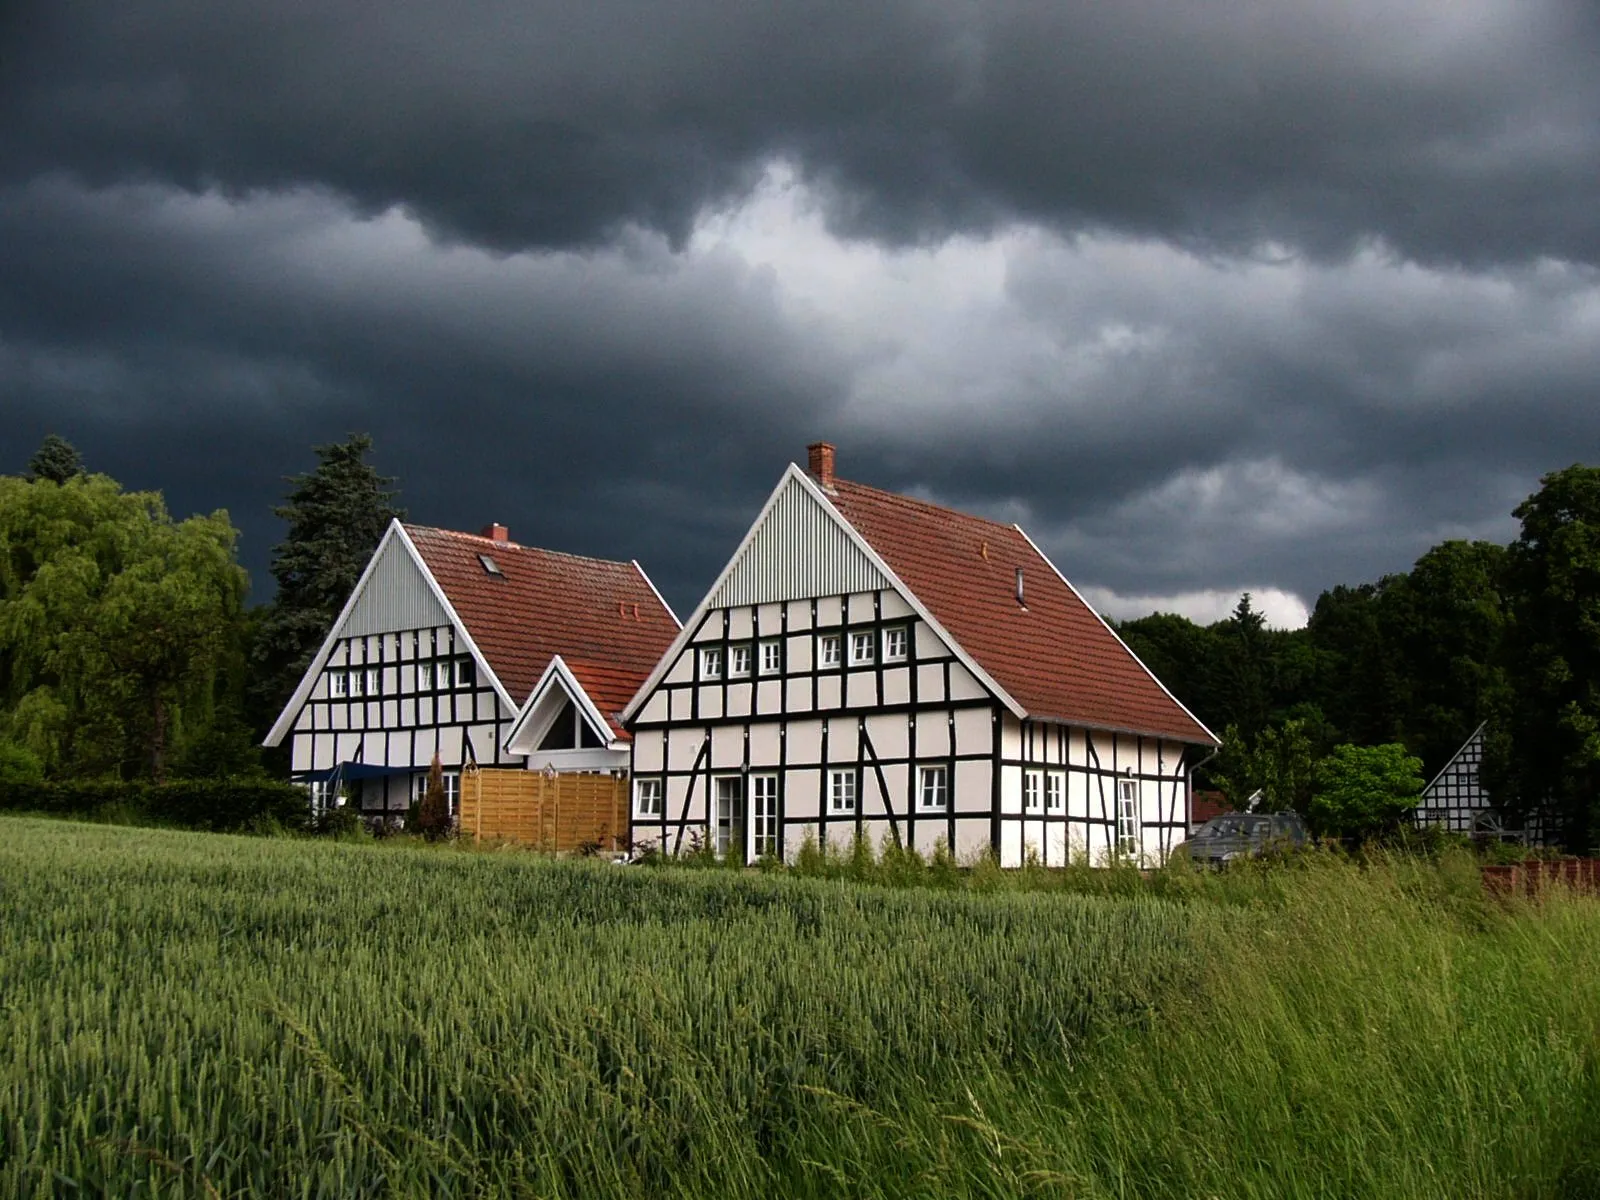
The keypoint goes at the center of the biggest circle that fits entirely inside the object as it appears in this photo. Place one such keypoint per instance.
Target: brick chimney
(496, 533)
(819, 461)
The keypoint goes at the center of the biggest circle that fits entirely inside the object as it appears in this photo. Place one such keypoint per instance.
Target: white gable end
(395, 597)
(797, 551)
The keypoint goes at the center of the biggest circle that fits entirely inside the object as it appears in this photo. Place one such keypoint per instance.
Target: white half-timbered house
(1457, 800)
(871, 665)
(478, 650)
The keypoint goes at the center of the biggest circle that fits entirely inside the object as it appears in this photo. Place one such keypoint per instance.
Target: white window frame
(465, 671)
(933, 789)
(358, 682)
(1128, 825)
(740, 660)
(842, 792)
(1055, 791)
(322, 793)
(1033, 791)
(374, 681)
(711, 663)
(891, 635)
(650, 797)
(444, 674)
(339, 684)
(863, 650)
(829, 650)
(763, 824)
(452, 789)
(770, 648)
(425, 676)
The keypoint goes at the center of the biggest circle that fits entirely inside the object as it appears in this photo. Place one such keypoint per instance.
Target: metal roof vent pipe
(1021, 603)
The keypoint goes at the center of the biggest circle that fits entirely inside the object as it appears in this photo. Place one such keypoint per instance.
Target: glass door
(764, 816)
(727, 831)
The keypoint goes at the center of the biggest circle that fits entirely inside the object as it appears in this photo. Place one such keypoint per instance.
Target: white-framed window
(648, 798)
(861, 648)
(828, 650)
(424, 677)
(444, 674)
(841, 791)
(1127, 817)
(452, 789)
(1054, 791)
(933, 791)
(358, 683)
(764, 815)
(1032, 782)
(466, 672)
(374, 681)
(771, 656)
(738, 662)
(338, 684)
(711, 662)
(322, 795)
(896, 641)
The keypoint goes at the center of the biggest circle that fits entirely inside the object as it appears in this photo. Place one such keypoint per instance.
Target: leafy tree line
(127, 648)
(1474, 632)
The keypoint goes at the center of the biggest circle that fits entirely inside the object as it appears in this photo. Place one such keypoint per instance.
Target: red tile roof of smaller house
(602, 617)
(1055, 657)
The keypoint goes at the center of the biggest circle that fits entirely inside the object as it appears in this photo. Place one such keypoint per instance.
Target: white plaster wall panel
(830, 612)
(675, 792)
(861, 607)
(764, 743)
(682, 669)
(974, 731)
(972, 839)
(739, 696)
(711, 702)
(927, 643)
(798, 695)
(391, 713)
(805, 741)
(300, 754)
(894, 606)
(681, 703)
(769, 619)
(1010, 737)
(972, 787)
(741, 624)
(1033, 841)
(933, 734)
(799, 615)
(897, 685)
(654, 710)
(829, 691)
(649, 753)
(683, 748)
(1077, 794)
(374, 714)
(1055, 845)
(798, 549)
(769, 696)
(727, 747)
(930, 683)
(711, 629)
(844, 746)
(877, 835)
(795, 837)
(340, 655)
(450, 746)
(894, 775)
(323, 754)
(802, 793)
(425, 710)
(408, 710)
(890, 734)
(396, 596)
(1011, 790)
(861, 690)
(482, 739)
(339, 717)
(964, 685)
(1011, 843)
(798, 651)
(305, 722)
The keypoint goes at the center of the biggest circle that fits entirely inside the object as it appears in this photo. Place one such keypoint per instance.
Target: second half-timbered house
(478, 650)
(873, 665)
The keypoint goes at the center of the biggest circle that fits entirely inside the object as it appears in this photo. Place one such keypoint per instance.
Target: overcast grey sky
(1226, 294)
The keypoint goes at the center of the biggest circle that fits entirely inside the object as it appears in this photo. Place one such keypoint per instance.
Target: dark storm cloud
(1454, 131)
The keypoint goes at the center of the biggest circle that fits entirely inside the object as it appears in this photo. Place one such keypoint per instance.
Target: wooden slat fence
(551, 812)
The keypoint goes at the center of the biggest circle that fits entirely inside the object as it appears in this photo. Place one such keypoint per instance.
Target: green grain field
(199, 1015)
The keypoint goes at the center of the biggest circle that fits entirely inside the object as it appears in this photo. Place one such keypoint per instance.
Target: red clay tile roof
(1055, 657)
(602, 617)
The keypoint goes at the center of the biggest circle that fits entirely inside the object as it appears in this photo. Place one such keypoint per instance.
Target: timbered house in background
(871, 665)
(476, 649)
(1457, 800)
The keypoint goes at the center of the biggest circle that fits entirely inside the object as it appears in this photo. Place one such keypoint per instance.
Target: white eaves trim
(557, 674)
(285, 722)
(650, 583)
(1214, 738)
(794, 471)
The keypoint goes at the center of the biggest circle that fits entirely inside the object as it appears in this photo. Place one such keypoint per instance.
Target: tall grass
(195, 1015)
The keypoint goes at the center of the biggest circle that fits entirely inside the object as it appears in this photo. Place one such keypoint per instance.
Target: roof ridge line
(478, 537)
(1003, 526)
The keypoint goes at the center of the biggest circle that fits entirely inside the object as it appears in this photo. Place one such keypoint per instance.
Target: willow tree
(113, 620)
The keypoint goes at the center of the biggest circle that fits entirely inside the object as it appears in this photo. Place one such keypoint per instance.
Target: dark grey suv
(1236, 835)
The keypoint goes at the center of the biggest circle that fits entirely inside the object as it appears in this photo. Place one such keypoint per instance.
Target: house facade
(872, 665)
(1457, 800)
(480, 651)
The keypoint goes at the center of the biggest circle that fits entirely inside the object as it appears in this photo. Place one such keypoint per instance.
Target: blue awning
(350, 772)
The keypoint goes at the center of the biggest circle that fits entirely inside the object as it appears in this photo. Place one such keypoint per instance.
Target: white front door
(764, 816)
(727, 832)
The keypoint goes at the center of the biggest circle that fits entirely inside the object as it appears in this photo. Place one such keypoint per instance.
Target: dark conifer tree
(56, 459)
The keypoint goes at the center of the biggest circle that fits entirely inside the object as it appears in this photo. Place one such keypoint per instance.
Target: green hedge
(216, 804)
